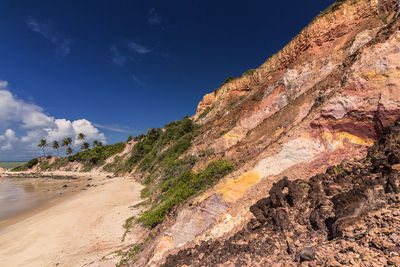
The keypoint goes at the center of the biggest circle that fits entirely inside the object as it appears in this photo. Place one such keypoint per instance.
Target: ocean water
(18, 196)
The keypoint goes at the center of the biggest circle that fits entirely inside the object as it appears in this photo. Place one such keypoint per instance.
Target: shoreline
(55, 186)
(76, 228)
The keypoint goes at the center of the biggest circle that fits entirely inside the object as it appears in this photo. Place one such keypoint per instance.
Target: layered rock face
(348, 215)
(326, 97)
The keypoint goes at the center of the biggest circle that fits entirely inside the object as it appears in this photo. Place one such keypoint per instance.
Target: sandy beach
(74, 230)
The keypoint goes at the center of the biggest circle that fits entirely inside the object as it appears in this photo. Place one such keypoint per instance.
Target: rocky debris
(306, 254)
(348, 216)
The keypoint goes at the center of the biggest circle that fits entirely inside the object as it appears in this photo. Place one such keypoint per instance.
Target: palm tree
(66, 142)
(95, 143)
(55, 145)
(81, 136)
(43, 144)
(85, 145)
(69, 151)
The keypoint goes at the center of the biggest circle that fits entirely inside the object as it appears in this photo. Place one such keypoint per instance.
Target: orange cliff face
(323, 98)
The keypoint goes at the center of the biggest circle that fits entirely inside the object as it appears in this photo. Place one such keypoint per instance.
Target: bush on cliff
(176, 189)
(26, 166)
(148, 151)
(97, 155)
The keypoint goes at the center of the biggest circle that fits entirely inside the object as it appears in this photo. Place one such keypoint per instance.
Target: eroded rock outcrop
(348, 215)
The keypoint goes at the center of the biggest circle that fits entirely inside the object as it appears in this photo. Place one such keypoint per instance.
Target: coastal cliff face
(323, 100)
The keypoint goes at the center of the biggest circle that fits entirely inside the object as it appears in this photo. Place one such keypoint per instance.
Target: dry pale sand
(75, 231)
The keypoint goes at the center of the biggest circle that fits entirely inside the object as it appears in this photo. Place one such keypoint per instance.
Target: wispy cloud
(127, 51)
(154, 18)
(115, 128)
(117, 57)
(138, 48)
(137, 80)
(61, 42)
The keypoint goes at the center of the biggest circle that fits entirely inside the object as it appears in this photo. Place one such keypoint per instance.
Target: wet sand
(72, 230)
(21, 195)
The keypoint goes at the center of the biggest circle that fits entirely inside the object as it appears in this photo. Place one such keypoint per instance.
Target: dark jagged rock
(301, 219)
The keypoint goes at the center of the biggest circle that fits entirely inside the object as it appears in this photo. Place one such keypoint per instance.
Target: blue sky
(126, 66)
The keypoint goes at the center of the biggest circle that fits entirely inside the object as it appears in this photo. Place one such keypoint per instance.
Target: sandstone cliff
(324, 98)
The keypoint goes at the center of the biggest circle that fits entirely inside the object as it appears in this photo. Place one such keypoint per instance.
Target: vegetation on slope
(332, 7)
(176, 189)
(96, 156)
(157, 147)
(26, 166)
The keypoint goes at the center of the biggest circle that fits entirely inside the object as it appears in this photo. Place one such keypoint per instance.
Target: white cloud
(115, 128)
(14, 109)
(117, 57)
(137, 80)
(61, 42)
(154, 18)
(127, 51)
(138, 48)
(32, 124)
(7, 139)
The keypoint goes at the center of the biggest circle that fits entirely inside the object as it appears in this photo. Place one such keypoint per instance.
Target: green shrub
(249, 72)
(97, 155)
(258, 96)
(176, 189)
(205, 112)
(44, 165)
(59, 163)
(32, 163)
(27, 165)
(229, 79)
(145, 193)
(332, 7)
(146, 152)
(114, 166)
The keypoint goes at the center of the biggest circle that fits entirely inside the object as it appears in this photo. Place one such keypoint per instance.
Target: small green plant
(145, 193)
(384, 18)
(339, 169)
(258, 96)
(331, 7)
(221, 133)
(205, 112)
(127, 226)
(130, 255)
(142, 204)
(122, 262)
(229, 79)
(249, 72)
(305, 185)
